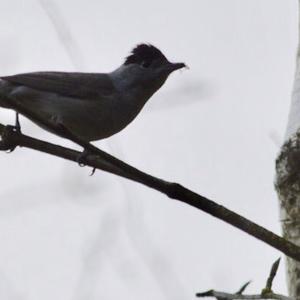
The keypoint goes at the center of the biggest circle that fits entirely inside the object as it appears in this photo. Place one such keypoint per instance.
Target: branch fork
(266, 293)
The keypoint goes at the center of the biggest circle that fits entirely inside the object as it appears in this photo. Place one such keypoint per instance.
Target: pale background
(215, 128)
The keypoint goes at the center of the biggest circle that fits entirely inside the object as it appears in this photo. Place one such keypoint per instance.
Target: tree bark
(288, 181)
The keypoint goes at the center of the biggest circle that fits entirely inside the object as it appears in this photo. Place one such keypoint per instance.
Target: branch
(106, 162)
(227, 296)
(266, 293)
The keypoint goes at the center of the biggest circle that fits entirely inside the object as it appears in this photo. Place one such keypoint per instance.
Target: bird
(92, 106)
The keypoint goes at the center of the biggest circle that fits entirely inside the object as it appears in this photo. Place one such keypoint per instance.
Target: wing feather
(78, 85)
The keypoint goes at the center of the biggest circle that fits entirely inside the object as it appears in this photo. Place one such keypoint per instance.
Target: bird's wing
(78, 85)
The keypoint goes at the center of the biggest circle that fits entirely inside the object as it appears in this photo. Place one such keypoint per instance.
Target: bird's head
(146, 66)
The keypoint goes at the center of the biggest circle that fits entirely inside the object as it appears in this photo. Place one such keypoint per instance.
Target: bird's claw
(6, 144)
(16, 129)
(81, 158)
(93, 171)
(12, 149)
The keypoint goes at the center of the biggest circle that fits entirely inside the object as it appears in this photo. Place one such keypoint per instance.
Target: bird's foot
(6, 142)
(82, 157)
(81, 160)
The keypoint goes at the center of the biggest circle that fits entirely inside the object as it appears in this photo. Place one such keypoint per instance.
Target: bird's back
(81, 101)
(78, 85)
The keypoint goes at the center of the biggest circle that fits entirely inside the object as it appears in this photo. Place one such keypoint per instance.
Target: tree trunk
(288, 181)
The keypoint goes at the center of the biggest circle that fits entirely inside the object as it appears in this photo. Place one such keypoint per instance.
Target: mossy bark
(288, 189)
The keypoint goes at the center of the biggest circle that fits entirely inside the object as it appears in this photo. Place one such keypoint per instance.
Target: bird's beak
(171, 67)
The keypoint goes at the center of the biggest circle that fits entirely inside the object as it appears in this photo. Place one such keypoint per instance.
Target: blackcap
(92, 106)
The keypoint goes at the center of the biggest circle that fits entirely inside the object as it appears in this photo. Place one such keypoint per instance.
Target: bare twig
(227, 296)
(243, 288)
(268, 288)
(266, 293)
(106, 162)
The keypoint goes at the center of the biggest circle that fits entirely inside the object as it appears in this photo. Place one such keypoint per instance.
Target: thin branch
(227, 296)
(271, 277)
(104, 161)
(243, 288)
(266, 293)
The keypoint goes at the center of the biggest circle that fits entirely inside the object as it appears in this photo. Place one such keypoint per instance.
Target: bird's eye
(145, 64)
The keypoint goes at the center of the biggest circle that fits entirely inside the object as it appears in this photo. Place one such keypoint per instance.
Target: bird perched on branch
(92, 106)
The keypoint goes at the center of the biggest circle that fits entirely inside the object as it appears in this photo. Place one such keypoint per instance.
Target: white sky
(216, 128)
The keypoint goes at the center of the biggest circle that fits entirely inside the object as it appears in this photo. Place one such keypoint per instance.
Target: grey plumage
(79, 85)
(92, 106)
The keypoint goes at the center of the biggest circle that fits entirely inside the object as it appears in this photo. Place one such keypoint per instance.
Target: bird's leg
(70, 135)
(16, 128)
(17, 123)
(81, 157)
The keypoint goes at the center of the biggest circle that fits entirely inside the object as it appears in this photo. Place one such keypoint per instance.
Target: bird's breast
(125, 110)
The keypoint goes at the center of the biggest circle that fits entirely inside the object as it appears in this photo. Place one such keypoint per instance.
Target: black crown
(144, 53)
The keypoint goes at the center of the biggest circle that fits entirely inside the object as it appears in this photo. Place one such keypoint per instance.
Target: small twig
(227, 296)
(243, 288)
(266, 293)
(268, 288)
